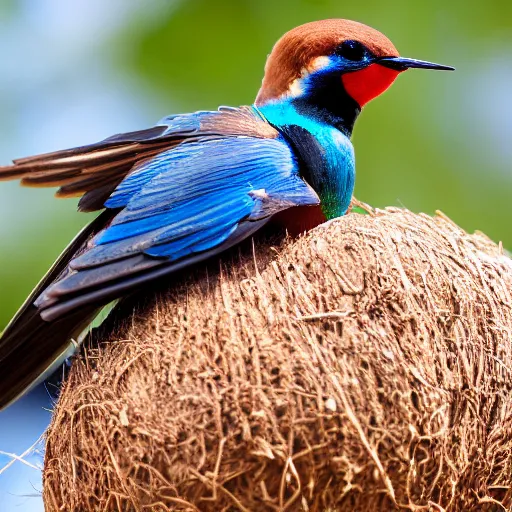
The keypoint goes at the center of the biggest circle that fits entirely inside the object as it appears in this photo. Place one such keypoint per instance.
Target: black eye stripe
(351, 50)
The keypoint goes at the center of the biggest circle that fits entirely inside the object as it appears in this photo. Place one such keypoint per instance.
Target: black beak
(401, 64)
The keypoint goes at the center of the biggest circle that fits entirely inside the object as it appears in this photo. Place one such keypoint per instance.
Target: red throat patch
(368, 83)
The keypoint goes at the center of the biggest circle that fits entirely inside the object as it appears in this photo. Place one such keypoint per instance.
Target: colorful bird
(196, 184)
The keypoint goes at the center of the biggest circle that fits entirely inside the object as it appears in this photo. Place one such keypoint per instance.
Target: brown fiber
(366, 366)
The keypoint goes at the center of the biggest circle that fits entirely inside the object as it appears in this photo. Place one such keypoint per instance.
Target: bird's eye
(351, 50)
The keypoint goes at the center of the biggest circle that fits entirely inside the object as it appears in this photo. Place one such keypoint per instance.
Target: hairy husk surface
(366, 366)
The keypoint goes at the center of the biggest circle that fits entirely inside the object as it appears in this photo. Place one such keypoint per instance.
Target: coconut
(365, 366)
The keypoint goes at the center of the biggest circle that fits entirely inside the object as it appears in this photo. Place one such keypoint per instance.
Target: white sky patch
(489, 100)
(483, 107)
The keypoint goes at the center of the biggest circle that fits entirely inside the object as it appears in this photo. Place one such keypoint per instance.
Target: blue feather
(224, 175)
(326, 151)
(192, 198)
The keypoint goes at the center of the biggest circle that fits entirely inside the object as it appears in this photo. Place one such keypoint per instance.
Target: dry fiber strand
(366, 366)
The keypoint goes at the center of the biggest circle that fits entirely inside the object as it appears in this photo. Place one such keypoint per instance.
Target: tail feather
(39, 348)
(31, 347)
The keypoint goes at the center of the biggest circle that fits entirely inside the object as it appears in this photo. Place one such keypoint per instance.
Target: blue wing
(183, 205)
(94, 171)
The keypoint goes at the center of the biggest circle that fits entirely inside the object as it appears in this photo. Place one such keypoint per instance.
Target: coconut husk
(365, 366)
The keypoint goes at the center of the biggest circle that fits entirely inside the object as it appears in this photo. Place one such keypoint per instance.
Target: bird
(197, 184)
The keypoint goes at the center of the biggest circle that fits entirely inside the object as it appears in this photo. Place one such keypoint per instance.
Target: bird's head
(331, 59)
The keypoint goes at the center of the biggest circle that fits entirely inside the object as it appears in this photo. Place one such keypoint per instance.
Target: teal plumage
(321, 147)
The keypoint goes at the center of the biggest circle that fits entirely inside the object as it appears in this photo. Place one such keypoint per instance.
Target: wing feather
(80, 171)
(131, 282)
(185, 204)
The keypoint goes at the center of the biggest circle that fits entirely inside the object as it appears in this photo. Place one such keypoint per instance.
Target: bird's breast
(325, 155)
(299, 219)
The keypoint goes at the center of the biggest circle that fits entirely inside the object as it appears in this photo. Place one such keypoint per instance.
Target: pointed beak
(401, 64)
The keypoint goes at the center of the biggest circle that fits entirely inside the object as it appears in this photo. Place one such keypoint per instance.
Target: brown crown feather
(298, 47)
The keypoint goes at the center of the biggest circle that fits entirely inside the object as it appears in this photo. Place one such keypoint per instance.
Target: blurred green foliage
(434, 141)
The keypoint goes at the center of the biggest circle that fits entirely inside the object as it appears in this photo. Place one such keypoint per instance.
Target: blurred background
(76, 72)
